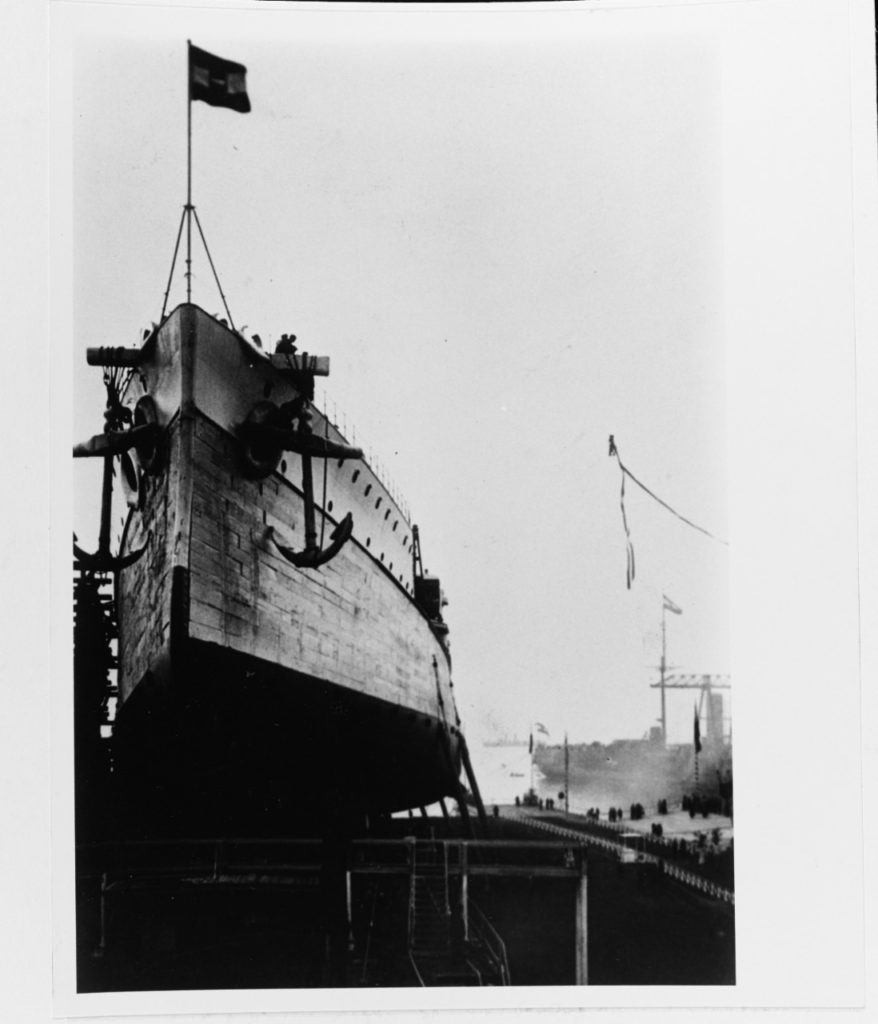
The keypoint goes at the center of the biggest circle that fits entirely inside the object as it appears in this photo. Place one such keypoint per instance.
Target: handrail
(474, 969)
(418, 975)
(498, 954)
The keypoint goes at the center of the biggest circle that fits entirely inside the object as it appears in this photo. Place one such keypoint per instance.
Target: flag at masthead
(219, 82)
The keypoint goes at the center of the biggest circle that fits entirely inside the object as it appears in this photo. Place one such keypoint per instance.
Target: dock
(417, 904)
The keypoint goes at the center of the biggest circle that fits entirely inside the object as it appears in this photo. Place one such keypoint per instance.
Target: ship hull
(255, 694)
(244, 747)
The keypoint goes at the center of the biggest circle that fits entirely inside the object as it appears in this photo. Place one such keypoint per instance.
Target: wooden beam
(582, 924)
(471, 870)
(111, 356)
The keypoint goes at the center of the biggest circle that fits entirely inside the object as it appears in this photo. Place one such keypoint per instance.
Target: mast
(188, 170)
(566, 777)
(662, 678)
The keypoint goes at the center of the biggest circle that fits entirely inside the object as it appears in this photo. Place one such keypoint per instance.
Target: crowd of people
(696, 804)
(705, 848)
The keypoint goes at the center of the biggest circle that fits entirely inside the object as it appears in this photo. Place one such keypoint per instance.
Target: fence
(686, 877)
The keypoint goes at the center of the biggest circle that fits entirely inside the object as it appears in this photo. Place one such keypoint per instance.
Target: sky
(509, 252)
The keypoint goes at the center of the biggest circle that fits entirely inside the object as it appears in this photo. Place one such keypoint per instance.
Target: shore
(676, 824)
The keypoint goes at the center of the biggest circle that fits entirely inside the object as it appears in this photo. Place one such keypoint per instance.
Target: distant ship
(281, 653)
(506, 741)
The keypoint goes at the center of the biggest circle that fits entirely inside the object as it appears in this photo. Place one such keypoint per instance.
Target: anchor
(312, 555)
(107, 445)
(267, 431)
(115, 442)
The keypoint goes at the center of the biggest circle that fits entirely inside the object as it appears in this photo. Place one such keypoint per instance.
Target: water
(504, 773)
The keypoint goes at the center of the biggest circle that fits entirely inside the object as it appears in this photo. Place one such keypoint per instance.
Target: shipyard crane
(706, 683)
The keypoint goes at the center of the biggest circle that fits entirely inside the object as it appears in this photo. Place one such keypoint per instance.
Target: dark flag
(697, 733)
(531, 747)
(219, 82)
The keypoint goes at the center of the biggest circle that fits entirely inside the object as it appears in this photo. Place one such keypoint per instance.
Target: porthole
(395, 524)
(391, 566)
(329, 506)
(368, 488)
(378, 501)
(382, 556)
(283, 465)
(368, 542)
(355, 476)
(404, 539)
(340, 463)
(387, 515)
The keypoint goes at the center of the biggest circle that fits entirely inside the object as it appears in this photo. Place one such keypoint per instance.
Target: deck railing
(686, 877)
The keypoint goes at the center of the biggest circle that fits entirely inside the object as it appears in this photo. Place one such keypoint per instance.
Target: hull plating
(250, 688)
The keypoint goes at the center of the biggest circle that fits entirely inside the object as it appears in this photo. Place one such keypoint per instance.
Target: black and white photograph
(438, 479)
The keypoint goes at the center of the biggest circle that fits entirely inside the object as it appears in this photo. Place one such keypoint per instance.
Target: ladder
(439, 953)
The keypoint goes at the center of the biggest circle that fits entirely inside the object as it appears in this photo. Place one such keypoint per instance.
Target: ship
(283, 661)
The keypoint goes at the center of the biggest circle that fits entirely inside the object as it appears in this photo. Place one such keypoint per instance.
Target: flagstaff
(188, 211)
(219, 83)
(566, 777)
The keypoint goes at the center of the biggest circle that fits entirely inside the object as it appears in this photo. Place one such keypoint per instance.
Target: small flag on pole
(670, 606)
(530, 748)
(697, 732)
(219, 82)
(541, 728)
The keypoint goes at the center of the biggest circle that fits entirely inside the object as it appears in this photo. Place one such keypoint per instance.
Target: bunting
(629, 547)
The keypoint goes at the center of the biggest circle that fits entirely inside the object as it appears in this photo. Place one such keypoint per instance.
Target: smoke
(620, 774)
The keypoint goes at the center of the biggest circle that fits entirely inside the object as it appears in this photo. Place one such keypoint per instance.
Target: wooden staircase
(438, 950)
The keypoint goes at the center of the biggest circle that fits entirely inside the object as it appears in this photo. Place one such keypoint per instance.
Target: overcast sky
(510, 250)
